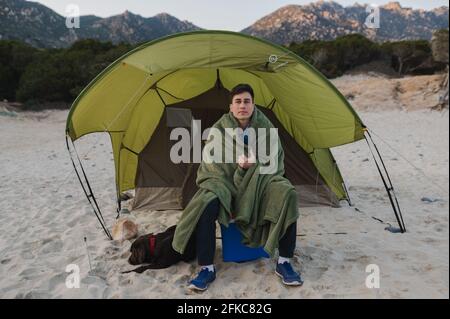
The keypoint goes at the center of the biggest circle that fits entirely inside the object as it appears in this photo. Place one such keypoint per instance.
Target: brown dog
(157, 251)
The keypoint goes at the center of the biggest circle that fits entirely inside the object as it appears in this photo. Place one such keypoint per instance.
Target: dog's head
(140, 250)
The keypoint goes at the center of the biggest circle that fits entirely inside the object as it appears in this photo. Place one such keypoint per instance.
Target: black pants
(206, 236)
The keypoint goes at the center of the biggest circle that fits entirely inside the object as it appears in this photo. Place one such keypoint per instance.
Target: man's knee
(211, 211)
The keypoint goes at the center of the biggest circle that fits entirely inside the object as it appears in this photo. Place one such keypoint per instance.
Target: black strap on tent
(87, 191)
(218, 82)
(387, 182)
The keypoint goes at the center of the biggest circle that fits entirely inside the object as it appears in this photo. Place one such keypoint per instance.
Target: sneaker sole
(193, 287)
(294, 283)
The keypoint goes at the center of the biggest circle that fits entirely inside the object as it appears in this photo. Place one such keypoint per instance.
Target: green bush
(59, 75)
(335, 57)
(406, 56)
(43, 78)
(14, 59)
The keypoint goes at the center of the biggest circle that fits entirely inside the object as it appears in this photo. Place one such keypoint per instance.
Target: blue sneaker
(288, 275)
(203, 279)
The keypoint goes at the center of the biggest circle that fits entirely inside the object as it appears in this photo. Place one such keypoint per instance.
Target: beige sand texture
(45, 216)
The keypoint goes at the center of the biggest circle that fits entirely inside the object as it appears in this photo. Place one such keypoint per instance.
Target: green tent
(170, 81)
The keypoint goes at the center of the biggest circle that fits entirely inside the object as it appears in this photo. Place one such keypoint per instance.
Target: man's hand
(246, 162)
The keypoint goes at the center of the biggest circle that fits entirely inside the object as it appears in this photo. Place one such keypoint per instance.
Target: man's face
(242, 106)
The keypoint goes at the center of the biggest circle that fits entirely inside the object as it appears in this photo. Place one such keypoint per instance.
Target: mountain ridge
(40, 26)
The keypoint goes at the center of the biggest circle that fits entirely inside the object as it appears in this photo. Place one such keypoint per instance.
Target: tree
(14, 58)
(407, 55)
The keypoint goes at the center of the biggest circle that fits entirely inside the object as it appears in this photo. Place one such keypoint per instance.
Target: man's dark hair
(241, 88)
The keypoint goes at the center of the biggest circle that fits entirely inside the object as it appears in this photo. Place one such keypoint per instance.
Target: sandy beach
(45, 215)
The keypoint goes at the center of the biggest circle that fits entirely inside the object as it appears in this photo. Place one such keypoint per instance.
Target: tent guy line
(412, 165)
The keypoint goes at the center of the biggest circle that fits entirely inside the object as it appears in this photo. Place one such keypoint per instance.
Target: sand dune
(45, 216)
(377, 92)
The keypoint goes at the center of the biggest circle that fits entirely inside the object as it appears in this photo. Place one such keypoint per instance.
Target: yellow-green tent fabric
(128, 99)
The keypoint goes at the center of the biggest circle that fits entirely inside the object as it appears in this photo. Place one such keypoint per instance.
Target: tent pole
(119, 207)
(386, 182)
(87, 191)
(347, 194)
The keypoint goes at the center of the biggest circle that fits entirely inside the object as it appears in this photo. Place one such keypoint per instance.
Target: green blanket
(262, 205)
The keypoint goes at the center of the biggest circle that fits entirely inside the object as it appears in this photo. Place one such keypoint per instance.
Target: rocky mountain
(40, 26)
(326, 20)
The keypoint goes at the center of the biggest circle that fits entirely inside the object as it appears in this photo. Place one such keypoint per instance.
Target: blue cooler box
(234, 250)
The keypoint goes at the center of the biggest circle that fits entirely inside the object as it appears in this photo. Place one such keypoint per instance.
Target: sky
(232, 15)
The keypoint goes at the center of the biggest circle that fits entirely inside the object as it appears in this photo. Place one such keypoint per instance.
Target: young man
(264, 206)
